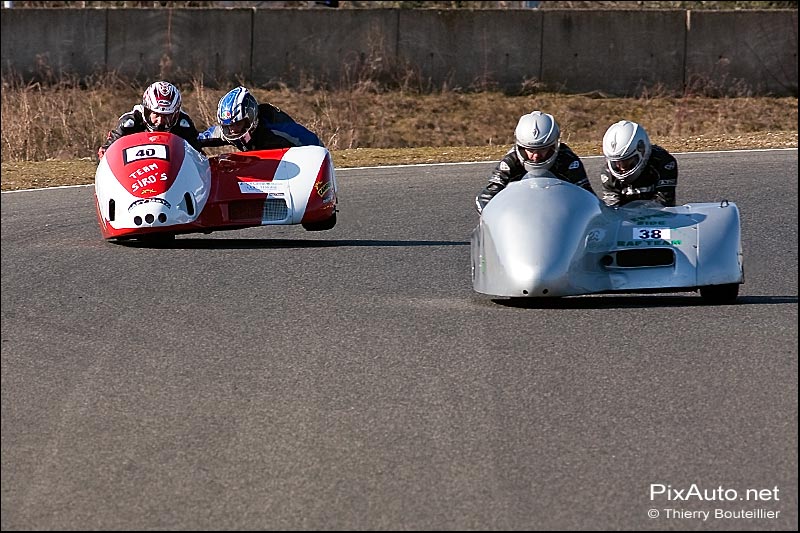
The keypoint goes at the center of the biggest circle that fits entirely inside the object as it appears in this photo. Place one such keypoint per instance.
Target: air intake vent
(644, 258)
(262, 210)
(189, 204)
(249, 210)
(275, 209)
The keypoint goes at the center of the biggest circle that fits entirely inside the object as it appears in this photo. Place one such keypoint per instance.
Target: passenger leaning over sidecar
(248, 125)
(636, 169)
(160, 110)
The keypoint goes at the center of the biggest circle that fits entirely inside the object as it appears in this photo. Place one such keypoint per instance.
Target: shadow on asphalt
(628, 302)
(248, 244)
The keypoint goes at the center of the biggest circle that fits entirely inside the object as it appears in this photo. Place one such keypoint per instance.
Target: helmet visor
(236, 130)
(538, 155)
(625, 165)
(161, 121)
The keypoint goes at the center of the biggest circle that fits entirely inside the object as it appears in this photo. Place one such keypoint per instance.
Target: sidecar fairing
(156, 184)
(544, 237)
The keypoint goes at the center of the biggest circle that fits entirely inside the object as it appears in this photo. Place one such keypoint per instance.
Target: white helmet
(165, 99)
(626, 147)
(537, 131)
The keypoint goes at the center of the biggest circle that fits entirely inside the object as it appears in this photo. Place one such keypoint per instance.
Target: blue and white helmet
(237, 114)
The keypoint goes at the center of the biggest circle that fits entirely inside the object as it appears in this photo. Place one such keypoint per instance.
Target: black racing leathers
(133, 122)
(656, 182)
(567, 166)
(275, 129)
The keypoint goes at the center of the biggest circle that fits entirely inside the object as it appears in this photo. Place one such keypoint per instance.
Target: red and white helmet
(164, 99)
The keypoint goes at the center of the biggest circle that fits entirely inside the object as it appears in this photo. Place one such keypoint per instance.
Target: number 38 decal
(651, 233)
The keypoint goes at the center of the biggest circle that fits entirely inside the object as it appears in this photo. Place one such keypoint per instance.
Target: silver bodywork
(544, 237)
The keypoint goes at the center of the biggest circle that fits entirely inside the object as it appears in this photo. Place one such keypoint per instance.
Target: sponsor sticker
(261, 187)
(150, 200)
(595, 235)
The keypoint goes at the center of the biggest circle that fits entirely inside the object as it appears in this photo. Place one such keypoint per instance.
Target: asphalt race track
(272, 378)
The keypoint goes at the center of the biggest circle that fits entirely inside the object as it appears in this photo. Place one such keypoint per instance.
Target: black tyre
(321, 225)
(720, 294)
(157, 239)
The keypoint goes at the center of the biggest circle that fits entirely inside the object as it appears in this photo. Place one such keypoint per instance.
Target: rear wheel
(321, 225)
(720, 294)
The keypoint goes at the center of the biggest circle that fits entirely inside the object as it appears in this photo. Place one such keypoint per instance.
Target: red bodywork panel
(147, 165)
(151, 168)
(322, 200)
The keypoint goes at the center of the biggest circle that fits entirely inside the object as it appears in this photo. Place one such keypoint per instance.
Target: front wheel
(153, 240)
(720, 294)
(321, 225)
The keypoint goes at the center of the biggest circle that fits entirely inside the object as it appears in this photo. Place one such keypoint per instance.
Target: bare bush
(70, 118)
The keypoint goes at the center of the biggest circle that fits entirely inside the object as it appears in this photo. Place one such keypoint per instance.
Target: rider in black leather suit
(537, 147)
(635, 169)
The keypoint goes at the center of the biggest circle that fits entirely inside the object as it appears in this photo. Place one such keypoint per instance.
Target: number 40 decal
(146, 151)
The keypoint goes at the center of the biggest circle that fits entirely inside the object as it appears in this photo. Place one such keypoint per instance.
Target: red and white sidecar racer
(154, 185)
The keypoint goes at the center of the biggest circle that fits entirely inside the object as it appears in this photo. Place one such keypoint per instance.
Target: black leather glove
(485, 195)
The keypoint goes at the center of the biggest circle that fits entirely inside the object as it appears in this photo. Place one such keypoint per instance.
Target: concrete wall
(326, 45)
(472, 48)
(180, 43)
(68, 39)
(724, 48)
(614, 52)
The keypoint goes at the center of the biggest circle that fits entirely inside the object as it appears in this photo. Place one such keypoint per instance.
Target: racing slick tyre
(720, 294)
(321, 225)
(154, 240)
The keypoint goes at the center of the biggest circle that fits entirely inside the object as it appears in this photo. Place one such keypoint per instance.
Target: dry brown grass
(47, 128)
(66, 121)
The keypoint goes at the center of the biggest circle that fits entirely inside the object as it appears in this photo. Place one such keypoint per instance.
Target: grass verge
(18, 175)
